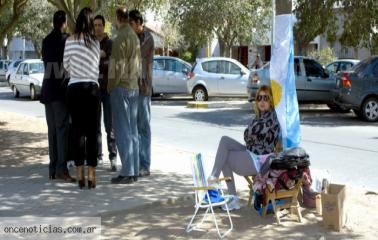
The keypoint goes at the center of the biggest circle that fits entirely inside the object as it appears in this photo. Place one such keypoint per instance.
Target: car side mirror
(242, 72)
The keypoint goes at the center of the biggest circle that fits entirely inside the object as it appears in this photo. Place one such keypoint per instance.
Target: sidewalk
(157, 207)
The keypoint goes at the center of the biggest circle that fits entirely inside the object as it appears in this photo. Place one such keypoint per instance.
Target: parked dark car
(358, 89)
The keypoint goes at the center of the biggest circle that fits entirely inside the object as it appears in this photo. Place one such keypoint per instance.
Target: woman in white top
(81, 60)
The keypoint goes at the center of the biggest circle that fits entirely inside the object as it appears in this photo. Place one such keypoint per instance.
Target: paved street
(339, 143)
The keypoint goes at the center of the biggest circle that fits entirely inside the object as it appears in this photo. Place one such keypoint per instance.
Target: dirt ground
(23, 140)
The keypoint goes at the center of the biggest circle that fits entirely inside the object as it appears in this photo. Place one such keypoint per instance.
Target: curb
(209, 105)
(202, 105)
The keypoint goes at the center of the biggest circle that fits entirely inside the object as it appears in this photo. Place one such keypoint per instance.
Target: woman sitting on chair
(261, 138)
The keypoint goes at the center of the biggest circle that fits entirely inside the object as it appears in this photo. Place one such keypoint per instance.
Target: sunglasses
(264, 98)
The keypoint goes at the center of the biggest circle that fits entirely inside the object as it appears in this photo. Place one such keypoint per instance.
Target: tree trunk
(37, 49)
(17, 8)
(224, 50)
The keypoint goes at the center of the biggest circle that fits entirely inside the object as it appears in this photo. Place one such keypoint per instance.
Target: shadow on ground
(168, 221)
(27, 191)
(241, 117)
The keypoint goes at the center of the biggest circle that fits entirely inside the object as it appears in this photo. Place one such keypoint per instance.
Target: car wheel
(369, 109)
(337, 108)
(16, 93)
(200, 94)
(33, 94)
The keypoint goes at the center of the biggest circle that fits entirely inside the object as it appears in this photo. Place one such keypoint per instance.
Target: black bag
(289, 159)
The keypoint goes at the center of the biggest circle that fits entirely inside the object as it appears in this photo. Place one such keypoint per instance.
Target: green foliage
(314, 17)
(104, 7)
(187, 56)
(10, 12)
(354, 23)
(360, 24)
(324, 56)
(41, 12)
(231, 22)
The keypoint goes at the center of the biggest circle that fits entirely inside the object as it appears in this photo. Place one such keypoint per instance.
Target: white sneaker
(233, 204)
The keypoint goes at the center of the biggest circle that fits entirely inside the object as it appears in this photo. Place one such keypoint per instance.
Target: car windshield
(35, 68)
(361, 65)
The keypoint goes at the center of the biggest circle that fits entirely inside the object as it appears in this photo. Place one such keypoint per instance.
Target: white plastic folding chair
(201, 188)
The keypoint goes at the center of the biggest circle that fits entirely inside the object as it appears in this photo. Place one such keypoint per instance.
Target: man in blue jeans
(124, 72)
(147, 49)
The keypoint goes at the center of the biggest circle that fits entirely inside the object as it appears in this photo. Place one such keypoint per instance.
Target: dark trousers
(83, 100)
(57, 125)
(108, 122)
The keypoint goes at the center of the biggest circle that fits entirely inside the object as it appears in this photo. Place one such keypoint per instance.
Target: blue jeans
(108, 122)
(144, 131)
(125, 113)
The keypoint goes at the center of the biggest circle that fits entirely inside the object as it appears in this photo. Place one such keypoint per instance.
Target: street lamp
(5, 45)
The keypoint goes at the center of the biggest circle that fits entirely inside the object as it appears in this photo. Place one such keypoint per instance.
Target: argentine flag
(282, 80)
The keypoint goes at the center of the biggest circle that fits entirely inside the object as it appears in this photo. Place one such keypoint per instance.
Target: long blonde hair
(268, 91)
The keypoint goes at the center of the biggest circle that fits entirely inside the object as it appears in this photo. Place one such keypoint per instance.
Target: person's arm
(66, 58)
(113, 62)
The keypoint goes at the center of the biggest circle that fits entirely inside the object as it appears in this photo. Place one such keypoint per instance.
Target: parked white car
(217, 76)
(12, 68)
(341, 65)
(27, 79)
(169, 75)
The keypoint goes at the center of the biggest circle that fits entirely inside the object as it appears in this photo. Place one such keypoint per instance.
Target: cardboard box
(333, 206)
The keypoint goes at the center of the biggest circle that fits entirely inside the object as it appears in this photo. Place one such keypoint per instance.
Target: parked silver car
(341, 65)
(217, 76)
(169, 75)
(27, 79)
(3, 69)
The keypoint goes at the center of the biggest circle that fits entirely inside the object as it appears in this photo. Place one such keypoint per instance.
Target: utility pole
(279, 7)
(283, 6)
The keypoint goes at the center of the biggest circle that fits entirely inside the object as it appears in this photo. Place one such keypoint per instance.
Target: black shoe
(144, 173)
(135, 178)
(52, 176)
(123, 180)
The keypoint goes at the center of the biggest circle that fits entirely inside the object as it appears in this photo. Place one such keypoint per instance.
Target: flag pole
(273, 22)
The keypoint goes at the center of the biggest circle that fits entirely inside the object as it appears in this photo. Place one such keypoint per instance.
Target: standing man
(106, 50)
(147, 49)
(53, 96)
(124, 72)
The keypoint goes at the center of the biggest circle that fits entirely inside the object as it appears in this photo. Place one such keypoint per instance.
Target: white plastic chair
(201, 188)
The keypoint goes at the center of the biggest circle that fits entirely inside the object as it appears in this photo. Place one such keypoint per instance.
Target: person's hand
(102, 54)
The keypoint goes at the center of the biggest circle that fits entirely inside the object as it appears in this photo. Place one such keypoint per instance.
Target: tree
(10, 12)
(314, 17)
(231, 22)
(105, 7)
(41, 12)
(358, 21)
(172, 37)
(360, 24)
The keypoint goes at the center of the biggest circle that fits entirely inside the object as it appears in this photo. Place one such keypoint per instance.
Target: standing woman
(81, 60)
